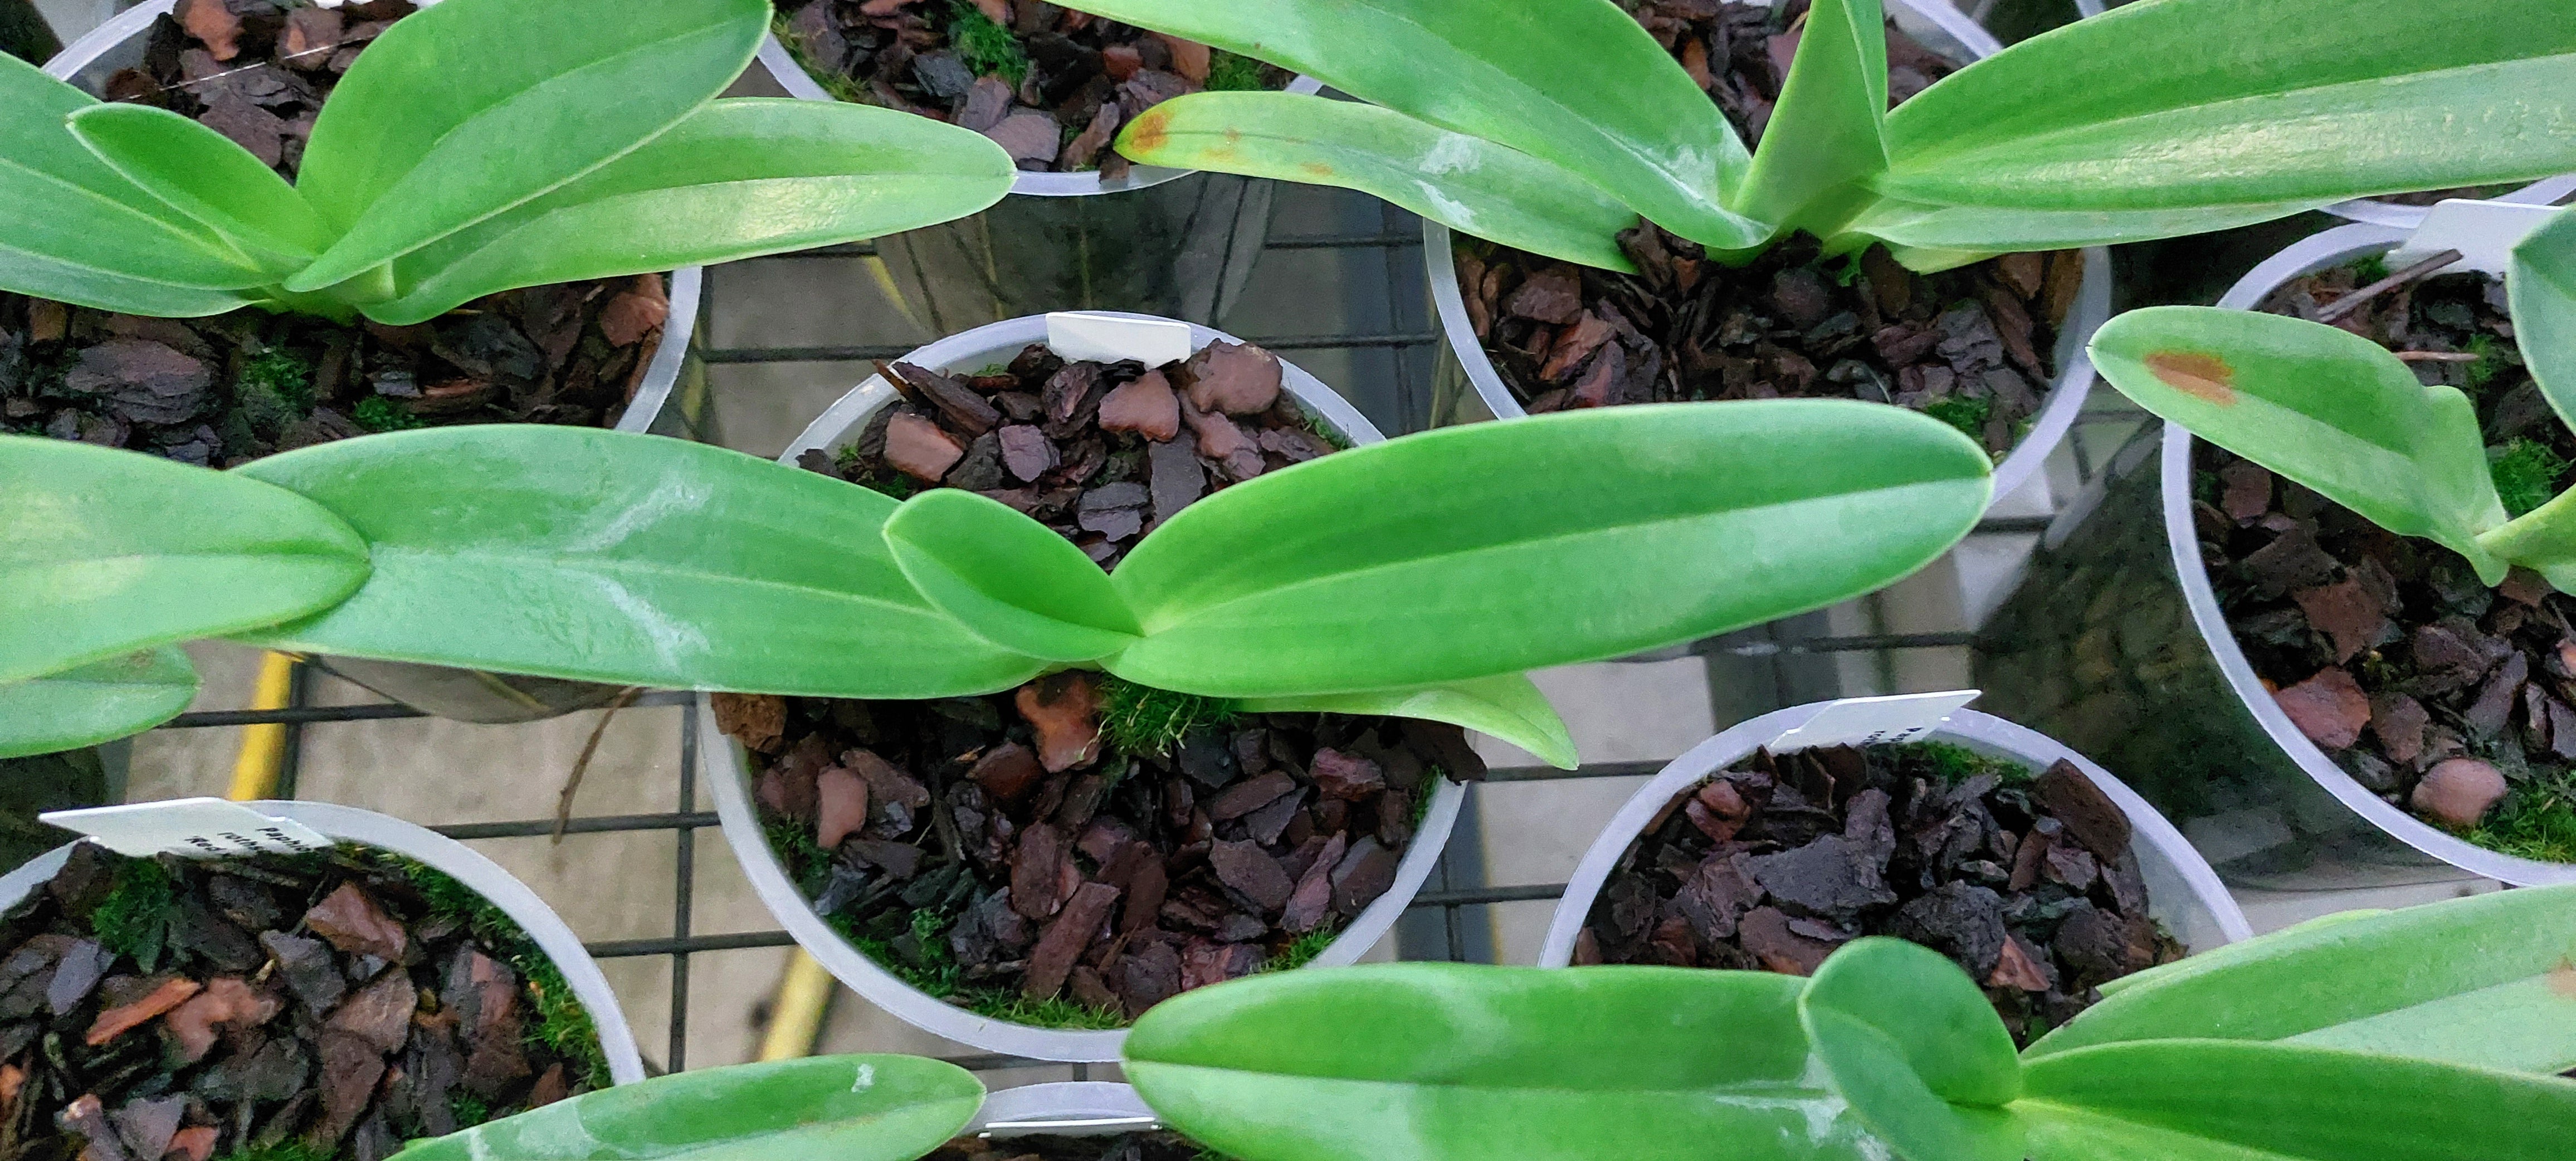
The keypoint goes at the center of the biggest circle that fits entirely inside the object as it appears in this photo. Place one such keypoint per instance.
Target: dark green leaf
(1912, 1043)
(98, 702)
(201, 174)
(1007, 578)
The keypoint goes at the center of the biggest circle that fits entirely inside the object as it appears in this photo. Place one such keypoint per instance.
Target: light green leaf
(2217, 1100)
(1934, 238)
(1828, 133)
(1627, 117)
(104, 552)
(465, 110)
(1450, 1062)
(2481, 981)
(2228, 953)
(204, 176)
(626, 559)
(848, 1108)
(2192, 103)
(1912, 1043)
(1007, 578)
(1450, 555)
(1467, 183)
(98, 702)
(2541, 281)
(2323, 406)
(1508, 707)
(737, 179)
(78, 232)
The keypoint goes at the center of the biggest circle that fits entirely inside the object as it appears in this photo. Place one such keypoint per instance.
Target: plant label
(1097, 336)
(2484, 233)
(196, 828)
(1872, 721)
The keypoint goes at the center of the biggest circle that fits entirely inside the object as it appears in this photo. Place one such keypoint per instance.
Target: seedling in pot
(2298, 1045)
(2395, 441)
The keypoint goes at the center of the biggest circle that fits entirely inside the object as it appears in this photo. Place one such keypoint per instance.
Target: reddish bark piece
(12, 1079)
(2329, 708)
(1233, 378)
(1146, 890)
(309, 38)
(149, 381)
(1219, 438)
(2072, 866)
(549, 1088)
(1553, 296)
(1189, 58)
(1028, 135)
(840, 806)
(2459, 791)
(1122, 61)
(2021, 968)
(84, 962)
(171, 992)
(2526, 587)
(2245, 491)
(2084, 810)
(1148, 976)
(1575, 345)
(964, 408)
(1765, 934)
(350, 1069)
(2399, 721)
(1252, 873)
(1250, 795)
(379, 1013)
(196, 1143)
(1340, 775)
(755, 719)
(1084, 149)
(226, 1000)
(146, 1125)
(1313, 899)
(1007, 772)
(1065, 709)
(885, 783)
(1027, 453)
(1064, 939)
(352, 922)
(788, 787)
(1091, 991)
(631, 316)
(917, 448)
(2347, 612)
(1146, 405)
(1363, 875)
(88, 1118)
(214, 25)
(1717, 894)
(1037, 871)
(253, 128)
(987, 102)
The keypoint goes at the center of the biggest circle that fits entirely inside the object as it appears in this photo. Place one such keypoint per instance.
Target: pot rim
(731, 775)
(469, 866)
(1073, 1108)
(2182, 541)
(1977, 731)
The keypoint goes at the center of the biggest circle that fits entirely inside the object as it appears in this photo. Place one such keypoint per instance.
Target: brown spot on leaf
(1146, 134)
(1316, 169)
(2562, 979)
(2202, 376)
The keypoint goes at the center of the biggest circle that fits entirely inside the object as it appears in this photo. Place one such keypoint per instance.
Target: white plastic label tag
(197, 828)
(1873, 721)
(1086, 336)
(2484, 233)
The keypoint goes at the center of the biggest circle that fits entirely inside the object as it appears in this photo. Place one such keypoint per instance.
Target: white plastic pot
(367, 828)
(1068, 1108)
(2184, 893)
(1463, 357)
(731, 786)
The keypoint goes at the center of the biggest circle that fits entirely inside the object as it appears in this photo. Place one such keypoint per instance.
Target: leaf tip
(2199, 374)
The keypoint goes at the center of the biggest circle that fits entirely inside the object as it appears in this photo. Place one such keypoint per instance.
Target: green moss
(886, 481)
(987, 48)
(288, 1150)
(1140, 719)
(2491, 360)
(468, 1109)
(562, 1026)
(1301, 952)
(283, 373)
(1968, 415)
(377, 413)
(134, 919)
(2526, 474)
(1956, 764)
(2369, 270)
(1056, 1013)
(2537, 820)
(1232, 73)
(834, 81)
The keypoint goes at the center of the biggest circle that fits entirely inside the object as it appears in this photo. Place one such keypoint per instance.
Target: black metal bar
(529, 828)
(1471, 896)
(1391, 239)
(684, 892)
(290, 758)
(1587, 770)
(679, 947)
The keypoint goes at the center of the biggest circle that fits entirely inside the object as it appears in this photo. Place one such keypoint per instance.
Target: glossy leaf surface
(104, 552)
(2542, 284)
(1007, 578)
(1912, 1043)
(630, 559)
(1651, 524)
(2323, 406)
(1936, 237)
(1629, 119)
(737, 179)
(98, 702)
(1828, 132)
(1508, 707)
(848, 1108)
(201, 174)
(421, 140)
(1449, 1062)
(1490, 191)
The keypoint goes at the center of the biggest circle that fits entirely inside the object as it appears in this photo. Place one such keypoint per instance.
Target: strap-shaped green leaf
(1449, 1062)
(203, 175)
(78, 232)
(1912, 1043)
(1467, 183)
(1508, 707)
(2482, 981)
(631, 559)
(2184, 103)
(1496, 548)
(1626, 117)
(2541, 283)
(1935, 238)
(737, 179)
(98, 702)
(462, 111)
(2220, 1100)
(2323, 406)
(1828, 133)
(104, 552)
(849, 1108)
(1007, 578)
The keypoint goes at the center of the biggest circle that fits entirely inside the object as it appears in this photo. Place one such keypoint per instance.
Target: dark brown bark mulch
(220, 391)
(1154, 1146)
(345, 1002)
(1973, 346)
(2027, 883)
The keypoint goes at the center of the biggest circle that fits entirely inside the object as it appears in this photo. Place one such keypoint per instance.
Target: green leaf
(2195, 103)
(98, 702)
(1498, 548)
(737, 179)
(462, 111)
(1933, 238)
(78, 232)
(1627, 117)
(203, 175)
(104, 552)
(848, 1108)
(1491, 191)
(1912, 1043)
(2481, 981)
(1007, 578)
(1451, 1062)
(2323, 406)
(628, 559)
(2216, 1100)
(2541, 282)
(1508, 707)
(1828, 132)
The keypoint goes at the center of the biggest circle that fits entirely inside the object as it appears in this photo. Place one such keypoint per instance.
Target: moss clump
(1968, 415)
(1233, 73)
(1956, 764)
(134, 918)
(1140, 719)
(987, 48)
(561, 1025)
(833, 80)
(2369, 270)
(2526, 474)
(289, 1150)
(468, 1109)
(1055, 1013)
(1302, 951)
(379, 414)
(2536, 821)
(282, 373)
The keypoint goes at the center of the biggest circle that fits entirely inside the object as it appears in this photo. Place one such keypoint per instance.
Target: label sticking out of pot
(1092, 336)
(197, 828)
(2484, 233)
(1872, 721)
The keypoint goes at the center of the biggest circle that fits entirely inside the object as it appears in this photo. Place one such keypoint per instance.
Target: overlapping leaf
(97, 702)
(2542, 285)
(1007, 578)
(1828, 132)
(1910, 1040)
(201, 174)
(1508, 707)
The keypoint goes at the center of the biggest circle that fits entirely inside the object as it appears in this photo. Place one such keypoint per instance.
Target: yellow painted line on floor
(263, 747)
(796, 1019)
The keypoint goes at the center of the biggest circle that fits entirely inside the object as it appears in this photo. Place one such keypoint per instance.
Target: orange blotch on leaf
(2197, 374)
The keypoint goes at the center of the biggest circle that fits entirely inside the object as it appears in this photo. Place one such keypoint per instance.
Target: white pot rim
(1070, 1108)
(467, 866)
(1982, 732)
(2316, 252)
